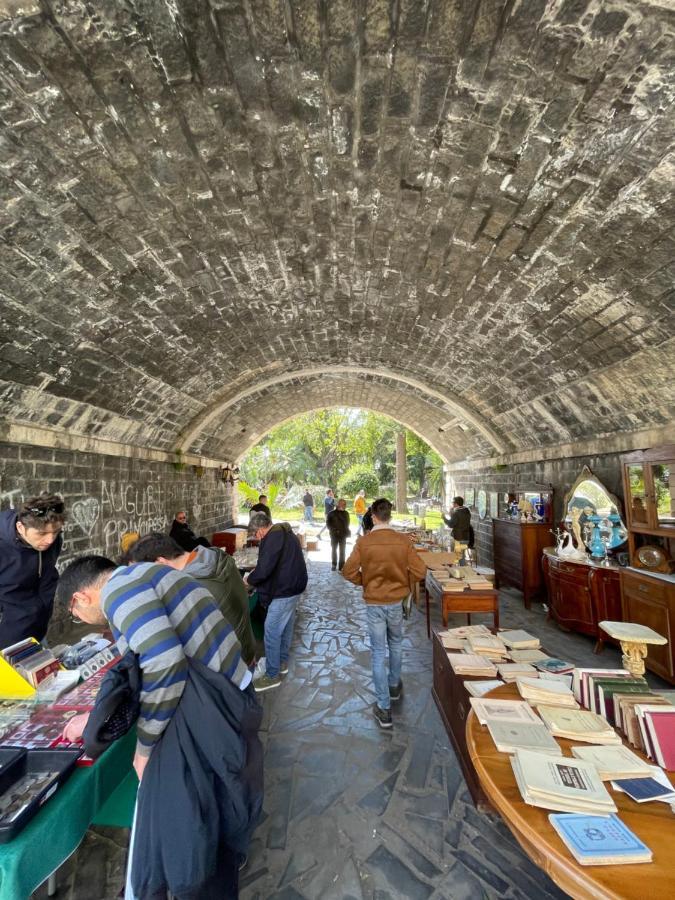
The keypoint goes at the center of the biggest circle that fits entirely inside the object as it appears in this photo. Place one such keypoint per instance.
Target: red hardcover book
(661, 726)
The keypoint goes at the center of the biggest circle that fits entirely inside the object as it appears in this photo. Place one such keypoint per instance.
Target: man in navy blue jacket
(280, 576)
(30, 543)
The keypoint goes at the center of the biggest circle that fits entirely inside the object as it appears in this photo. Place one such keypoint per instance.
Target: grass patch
(432, 519)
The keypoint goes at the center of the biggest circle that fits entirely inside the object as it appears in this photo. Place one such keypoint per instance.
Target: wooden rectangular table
(452, 699)
(470, 600)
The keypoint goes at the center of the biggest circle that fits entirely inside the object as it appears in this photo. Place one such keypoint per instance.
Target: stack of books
(463, 631)
(614, 762)
(528, 656)
(498, 710)
(560, 783)
(511, 671)
(599, 840)
(551, 693)
(512, 736)
(520, 640)
(488, 645)
(578, 725)
(471, 664)
(450, 642)
(580, 678)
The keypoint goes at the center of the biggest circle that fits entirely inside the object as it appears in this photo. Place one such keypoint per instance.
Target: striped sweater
(164, 616)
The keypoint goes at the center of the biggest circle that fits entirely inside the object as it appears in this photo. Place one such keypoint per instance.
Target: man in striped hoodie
(165, 617)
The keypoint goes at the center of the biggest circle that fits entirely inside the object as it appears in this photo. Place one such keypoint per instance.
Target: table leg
(51, 885)
(426, 598)
(468, 618)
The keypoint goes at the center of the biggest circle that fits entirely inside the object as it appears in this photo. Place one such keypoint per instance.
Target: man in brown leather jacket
(385, 563)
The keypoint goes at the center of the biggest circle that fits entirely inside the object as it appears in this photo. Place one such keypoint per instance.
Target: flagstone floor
(352, 811)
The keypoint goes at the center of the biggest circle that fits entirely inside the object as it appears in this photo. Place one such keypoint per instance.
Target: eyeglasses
(42, 511)
(73, 617)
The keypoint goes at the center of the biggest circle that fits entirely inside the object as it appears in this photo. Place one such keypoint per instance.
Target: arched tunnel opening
(219, 216)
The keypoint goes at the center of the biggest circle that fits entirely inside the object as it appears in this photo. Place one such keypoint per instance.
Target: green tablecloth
(58, 828)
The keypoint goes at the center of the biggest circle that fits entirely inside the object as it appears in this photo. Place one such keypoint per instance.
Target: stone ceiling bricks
(200, 194)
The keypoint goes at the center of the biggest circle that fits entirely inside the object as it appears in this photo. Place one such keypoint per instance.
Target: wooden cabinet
(649, 485)
(517, 549)
(582, 593)
(650, 600)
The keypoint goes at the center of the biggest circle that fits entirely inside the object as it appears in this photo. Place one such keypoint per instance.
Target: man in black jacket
(459, 521)
(337, 523)
(183, 535)
(30, 543)
(280, 576)
(262, 506)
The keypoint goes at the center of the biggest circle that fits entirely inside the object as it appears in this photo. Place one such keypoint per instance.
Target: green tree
(356, 478)
(319, 447)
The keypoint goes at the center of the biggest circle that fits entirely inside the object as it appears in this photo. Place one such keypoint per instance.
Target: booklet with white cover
(510, 736)
(558, 782)
(614, 762)
(503, 711)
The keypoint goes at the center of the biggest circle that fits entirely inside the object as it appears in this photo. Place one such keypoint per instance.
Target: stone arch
(449, 409)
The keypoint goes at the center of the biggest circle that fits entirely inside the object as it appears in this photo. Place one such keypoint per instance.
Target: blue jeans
(309, 514)
(359, 519)
(385, 626)
(279, 632)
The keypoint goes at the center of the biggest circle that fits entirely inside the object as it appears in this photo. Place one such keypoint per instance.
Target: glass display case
(649, 483)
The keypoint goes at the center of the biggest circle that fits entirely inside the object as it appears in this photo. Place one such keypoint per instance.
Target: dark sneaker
(332, 568)
(396, 692)
(283, 670)
(265, 683)
(383, 716)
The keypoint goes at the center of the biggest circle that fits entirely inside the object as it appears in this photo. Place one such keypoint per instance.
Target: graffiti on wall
(96, 523)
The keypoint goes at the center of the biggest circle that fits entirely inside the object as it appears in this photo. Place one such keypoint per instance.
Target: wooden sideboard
(582, 593)
(650, 600)
(517, 548)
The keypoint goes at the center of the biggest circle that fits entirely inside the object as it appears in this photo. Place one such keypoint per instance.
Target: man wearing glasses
(30, 543)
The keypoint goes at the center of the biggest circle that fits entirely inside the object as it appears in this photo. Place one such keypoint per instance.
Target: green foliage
(356, 478)
(251, 494)
(319, 448)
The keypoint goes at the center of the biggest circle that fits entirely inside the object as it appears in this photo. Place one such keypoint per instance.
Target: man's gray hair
(258, 520)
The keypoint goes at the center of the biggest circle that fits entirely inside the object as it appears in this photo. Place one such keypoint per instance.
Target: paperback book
(599, 840)
(560, 783)
(614, 762)
(503, 711)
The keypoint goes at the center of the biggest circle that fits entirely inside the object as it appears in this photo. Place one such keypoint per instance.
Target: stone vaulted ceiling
(219, 214)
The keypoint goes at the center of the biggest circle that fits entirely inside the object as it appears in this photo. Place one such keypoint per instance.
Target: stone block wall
(108, 495)
(560, 473)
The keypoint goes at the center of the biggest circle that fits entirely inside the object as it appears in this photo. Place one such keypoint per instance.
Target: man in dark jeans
(328, 507)
(337, 523)
(280, 576)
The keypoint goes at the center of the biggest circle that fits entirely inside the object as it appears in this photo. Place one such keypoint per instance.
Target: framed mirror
(469, 497)
(481, 504)
(593, 515)
(494, 504)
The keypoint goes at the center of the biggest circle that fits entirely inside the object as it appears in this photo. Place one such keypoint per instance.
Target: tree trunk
(401, 473)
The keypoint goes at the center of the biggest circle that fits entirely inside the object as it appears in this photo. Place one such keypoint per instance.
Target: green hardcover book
(603, 689)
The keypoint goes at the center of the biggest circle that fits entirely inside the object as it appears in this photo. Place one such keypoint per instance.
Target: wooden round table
(652, 822)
